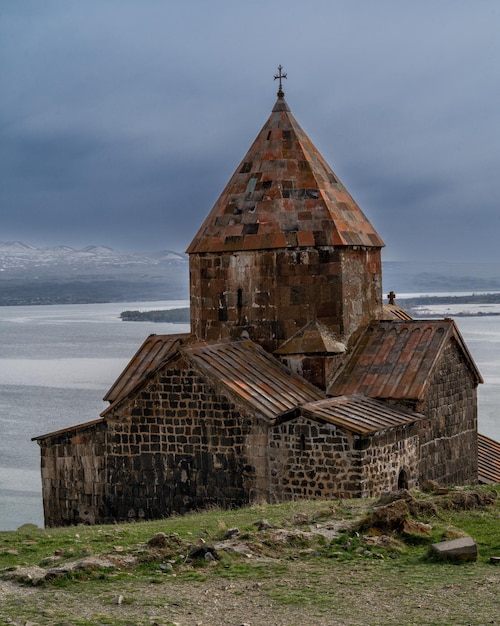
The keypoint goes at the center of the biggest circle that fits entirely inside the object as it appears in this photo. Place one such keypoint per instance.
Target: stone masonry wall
(74, 476)
(448, 437)
(386, 457)
(179, 445)
(270, 294)
(309, 460)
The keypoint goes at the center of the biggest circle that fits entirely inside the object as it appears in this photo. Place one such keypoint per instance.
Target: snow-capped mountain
(16, 255)
(62, 274)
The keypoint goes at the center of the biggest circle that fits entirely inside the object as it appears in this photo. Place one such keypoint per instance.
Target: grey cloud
(121, 122)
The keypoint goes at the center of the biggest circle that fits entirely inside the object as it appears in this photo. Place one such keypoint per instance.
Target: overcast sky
(121, 121)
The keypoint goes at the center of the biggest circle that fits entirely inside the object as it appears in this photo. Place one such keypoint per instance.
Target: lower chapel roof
(242, 367)
(394, 359)
(360, 415)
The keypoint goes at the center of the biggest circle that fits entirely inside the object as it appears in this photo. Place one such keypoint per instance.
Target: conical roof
(313, 338)
(283, 194)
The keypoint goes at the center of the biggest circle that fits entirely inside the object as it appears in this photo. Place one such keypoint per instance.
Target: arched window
(222, 308)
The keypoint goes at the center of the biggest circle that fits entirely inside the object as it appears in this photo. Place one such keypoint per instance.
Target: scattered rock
(200, 552)
(92, 563)
(429, 486)
(389, 517)
(263, 524)
(166, 567)
(118, 600)
(469, 500)
(234, 546)
(31, 575)
(301, 518)
(35, 574)
(158, 541)
(422, 508)
(50, 560)
(231, 532)
(392, 496)
(161, 541)
(417, 508)
(463, 549)
(418, 529)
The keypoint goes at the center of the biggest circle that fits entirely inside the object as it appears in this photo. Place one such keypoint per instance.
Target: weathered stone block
(463, 549)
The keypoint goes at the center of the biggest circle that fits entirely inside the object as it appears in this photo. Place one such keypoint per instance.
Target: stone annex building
(295, 381)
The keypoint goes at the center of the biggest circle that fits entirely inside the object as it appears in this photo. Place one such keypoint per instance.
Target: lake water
(57, 362)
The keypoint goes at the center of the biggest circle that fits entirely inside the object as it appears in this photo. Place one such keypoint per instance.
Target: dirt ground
(344, 596)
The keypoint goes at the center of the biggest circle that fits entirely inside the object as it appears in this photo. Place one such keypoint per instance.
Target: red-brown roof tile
(285, 184)
(242, 366)
(359, 414)
(155, 351)
(248, 371)
(394, 359)
(488, 460)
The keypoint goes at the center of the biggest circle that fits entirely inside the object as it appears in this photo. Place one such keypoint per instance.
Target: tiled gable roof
(243, 367)
(155, 351)
(394, 359)
(488, 460)
(255, 376)
(283, 194)
(359, 414)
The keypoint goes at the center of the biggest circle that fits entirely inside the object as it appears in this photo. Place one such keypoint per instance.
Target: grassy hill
(308, 563)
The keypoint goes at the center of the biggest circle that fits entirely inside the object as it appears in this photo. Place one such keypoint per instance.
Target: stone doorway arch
(403, 479)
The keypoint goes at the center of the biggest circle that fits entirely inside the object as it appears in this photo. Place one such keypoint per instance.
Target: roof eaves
(374, 415)
(63, 431)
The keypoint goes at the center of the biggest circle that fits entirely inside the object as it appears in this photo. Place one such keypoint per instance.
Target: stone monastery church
(295, 381)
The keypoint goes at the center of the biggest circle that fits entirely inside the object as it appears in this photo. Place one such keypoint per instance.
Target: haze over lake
(57, 362)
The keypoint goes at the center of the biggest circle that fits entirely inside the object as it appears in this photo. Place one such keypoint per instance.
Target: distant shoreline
(172, 316)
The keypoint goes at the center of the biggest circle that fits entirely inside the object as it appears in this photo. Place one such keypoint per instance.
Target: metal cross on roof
(280, 76)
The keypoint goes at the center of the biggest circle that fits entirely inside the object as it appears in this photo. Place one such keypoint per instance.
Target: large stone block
(462, 549)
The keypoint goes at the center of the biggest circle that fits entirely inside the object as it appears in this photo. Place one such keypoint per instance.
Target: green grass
(300, 572)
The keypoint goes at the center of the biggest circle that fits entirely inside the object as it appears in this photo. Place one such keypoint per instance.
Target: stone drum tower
(284, 245)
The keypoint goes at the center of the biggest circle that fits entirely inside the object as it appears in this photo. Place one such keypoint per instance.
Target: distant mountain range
(19, 256)
(62, 274)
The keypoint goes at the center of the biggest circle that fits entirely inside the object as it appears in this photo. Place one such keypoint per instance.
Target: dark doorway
(403, 480)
